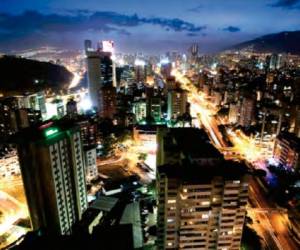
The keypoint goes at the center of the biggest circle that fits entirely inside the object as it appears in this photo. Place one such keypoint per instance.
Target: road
(269, 221)
(12, 210)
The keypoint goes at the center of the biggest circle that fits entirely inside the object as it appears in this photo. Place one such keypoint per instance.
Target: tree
(108, 145)
(250, 239)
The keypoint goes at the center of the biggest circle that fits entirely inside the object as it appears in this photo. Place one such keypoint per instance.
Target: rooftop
(45, 132)
(104, 203)
(192, 142)
(194, 173)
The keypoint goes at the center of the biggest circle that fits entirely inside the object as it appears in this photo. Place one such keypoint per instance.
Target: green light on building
(51, 131)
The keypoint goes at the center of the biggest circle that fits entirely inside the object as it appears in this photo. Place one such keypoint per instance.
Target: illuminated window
(205, 203)
(171, 201)
(205, 216)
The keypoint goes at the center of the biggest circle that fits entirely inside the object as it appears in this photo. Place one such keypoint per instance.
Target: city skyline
(215, 25)
(167, 125)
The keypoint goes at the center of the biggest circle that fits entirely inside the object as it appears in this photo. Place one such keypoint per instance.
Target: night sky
(143, 25)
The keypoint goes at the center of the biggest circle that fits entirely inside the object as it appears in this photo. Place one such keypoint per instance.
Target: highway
(269, 221)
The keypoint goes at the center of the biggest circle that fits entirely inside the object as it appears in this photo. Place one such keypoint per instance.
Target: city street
(269, 221)
(124, 163)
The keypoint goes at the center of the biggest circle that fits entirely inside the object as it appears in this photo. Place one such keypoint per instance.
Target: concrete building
(247, 112)
(287, 150)
(90, 159)
(108, 102)
(177, 104)
(8, 125)
(94, 77)
(201, 197)
(233, 113)
(88, 131)
(52, 167)
(140, 110)
(154, 108)
(71, 108)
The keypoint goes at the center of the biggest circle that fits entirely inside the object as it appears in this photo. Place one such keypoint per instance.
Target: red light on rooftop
(46, 125)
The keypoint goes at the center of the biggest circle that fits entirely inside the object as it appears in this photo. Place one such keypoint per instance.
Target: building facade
(201, 197)
(53, 172)
(287, 150)
(177, 102)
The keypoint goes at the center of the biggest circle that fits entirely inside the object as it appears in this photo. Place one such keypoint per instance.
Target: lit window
(236, 182)
(171, 201)
(205, 216)
(205, 203)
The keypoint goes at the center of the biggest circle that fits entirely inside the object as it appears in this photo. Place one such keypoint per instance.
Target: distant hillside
(283, 42)
(19, 74)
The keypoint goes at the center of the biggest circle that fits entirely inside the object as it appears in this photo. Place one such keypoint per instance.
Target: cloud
(286, 4)
(232, 29)
(198, 8)
(32, 21)
(34, 29)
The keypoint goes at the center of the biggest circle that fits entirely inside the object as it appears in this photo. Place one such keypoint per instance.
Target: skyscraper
(87, 45)
(177, 101)
(94, 77)
(108, 102)
(53, 173)
(140, 71)
(101, 72)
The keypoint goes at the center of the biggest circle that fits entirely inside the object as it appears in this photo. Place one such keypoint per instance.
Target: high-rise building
(140, 71)
(287, 150)
(177, 103)
(27, 117)
(94, 77)
(87, 45)
(233, 113)
(101, 72)
(108, 102)
(297, 121)
(274, 61)
(247, 111)
(201, 197)
(166, 69)
(8, 125)
(90, 158)
(14, 117)
(140, 110)
(53, 172)
(170, 84)
(106, 68)
(194, 50)
(154, 108)
(88, 131)
(71, 108)
(201, 206)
